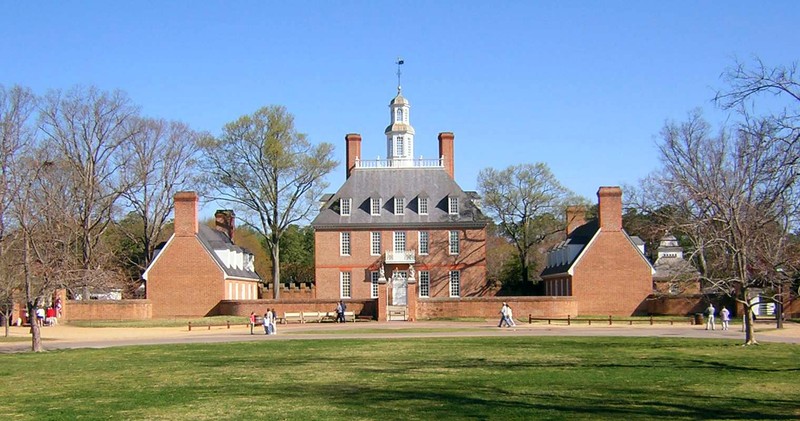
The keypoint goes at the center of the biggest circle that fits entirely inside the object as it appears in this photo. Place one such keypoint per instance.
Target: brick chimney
(446, 152)
(226, 222)
(186, 213)
(609, 201)
(353, 147)
(576, 216)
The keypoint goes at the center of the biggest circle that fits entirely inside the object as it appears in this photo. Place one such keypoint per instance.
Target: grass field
(442, 378)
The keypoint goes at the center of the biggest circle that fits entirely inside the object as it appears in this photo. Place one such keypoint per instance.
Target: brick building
(399, 229)
(599, 264)
(199, 266)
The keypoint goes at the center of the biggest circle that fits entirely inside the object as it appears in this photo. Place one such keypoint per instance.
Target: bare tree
(162, 156)
(528, 202)
(87, 127)
(733, 195)
(17, 105)
(270, 172)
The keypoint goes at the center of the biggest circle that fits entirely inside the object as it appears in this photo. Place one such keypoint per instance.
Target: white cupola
(399, 133)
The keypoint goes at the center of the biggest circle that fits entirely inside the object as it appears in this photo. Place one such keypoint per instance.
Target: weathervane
(399, 63)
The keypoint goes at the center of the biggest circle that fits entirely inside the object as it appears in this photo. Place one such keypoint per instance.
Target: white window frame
(345, 206)
(424, 284)
(345, 285)
(399, 146)
(399, 239)
(422, 205)
(399, 115)
(374, 284)
(455, 283)
(453, 246)
(375, 206)
(399, 205)
(344, 244)
(375, 243)
(452, 205)
(424, 242)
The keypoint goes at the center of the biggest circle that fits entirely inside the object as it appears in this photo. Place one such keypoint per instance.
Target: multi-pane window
(424, 283)
(374, 278)
(455, 283)
(399, 115)
(422, 205)
(375, 246)
(454, 246)
(452, 207)
(399, 150)
(399, 241)
(344, 243)
(375, 206)
(424, 242)
(345, 284)
(399, 205)
(344, 206)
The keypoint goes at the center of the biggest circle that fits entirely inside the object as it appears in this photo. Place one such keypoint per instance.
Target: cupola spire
(399, 133)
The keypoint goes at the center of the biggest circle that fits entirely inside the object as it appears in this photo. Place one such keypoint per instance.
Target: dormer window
(452, 205)
(422, 205)
(375, 206)
(344, 206)
(399, 205)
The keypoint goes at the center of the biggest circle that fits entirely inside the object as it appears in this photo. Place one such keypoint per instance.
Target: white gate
(400, 288)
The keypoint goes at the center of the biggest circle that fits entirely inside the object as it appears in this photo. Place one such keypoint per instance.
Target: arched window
(399, 115)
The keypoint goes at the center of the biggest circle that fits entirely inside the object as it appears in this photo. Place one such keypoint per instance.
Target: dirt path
(65, 336)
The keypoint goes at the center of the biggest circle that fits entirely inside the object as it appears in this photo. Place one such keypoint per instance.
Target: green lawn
(504, 378)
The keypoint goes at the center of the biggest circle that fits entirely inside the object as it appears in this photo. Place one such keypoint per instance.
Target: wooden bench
(293, 317)
(329, 316)
(312, 316)
(349, 316)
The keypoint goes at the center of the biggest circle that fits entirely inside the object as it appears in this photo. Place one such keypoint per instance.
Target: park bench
(312, 316)
(293, 317)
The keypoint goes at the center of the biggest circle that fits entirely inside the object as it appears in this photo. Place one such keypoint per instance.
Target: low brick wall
(489, 307)
(291, 291)
(244, 307)
(687, 304)
(107, 310)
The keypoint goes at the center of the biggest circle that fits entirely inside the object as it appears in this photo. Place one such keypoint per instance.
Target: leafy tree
(297, 253)
(270, 173)
(528, 204)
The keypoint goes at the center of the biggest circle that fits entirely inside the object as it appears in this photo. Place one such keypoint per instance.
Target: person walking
(504, 316)
(265, 322)
(340, 309)
(510, 317)
(710, 314)
(725, 315)
(274, 321)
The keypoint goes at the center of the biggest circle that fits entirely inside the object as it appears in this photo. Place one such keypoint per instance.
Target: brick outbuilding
(599, 263)
(199, 266)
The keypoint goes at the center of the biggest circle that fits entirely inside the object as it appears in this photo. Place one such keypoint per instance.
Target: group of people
(506, 316)
(724, 314)
(269, 321)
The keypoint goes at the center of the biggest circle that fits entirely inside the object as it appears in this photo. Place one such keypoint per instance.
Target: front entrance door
(400, 288)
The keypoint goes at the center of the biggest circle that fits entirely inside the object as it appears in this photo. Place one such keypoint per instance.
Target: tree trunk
(749, 331)
(276, 269)
(6, 322)
(36, 333)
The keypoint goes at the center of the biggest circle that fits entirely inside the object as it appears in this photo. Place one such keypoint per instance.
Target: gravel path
(67, 337)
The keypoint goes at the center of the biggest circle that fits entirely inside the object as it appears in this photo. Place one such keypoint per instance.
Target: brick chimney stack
(186, 214)
(353, 151)
(446, 152)
(576, 216)
(609, 200)
(226, 222)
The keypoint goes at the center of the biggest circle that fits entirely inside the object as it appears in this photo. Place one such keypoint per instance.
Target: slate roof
(579, 237)
(217, 240)
(409, 183)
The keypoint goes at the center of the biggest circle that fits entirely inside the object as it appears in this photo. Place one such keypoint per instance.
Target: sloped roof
(217, 240)
(580, 237)
(410, 183)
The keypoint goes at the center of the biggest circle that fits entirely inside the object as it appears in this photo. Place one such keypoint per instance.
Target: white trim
(147, 271)
(638, 250)
(575, 262)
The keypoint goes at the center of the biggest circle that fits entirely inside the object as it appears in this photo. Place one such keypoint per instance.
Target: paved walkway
(65, 336)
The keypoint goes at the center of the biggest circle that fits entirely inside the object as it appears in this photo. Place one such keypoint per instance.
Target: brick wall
(611, 277)
(107, 310)
(244, 307)
(489, 307)
(185, 281)
(291, 291)
(471, 261)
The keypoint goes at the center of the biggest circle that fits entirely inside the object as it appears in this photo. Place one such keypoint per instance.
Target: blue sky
(582, 86)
